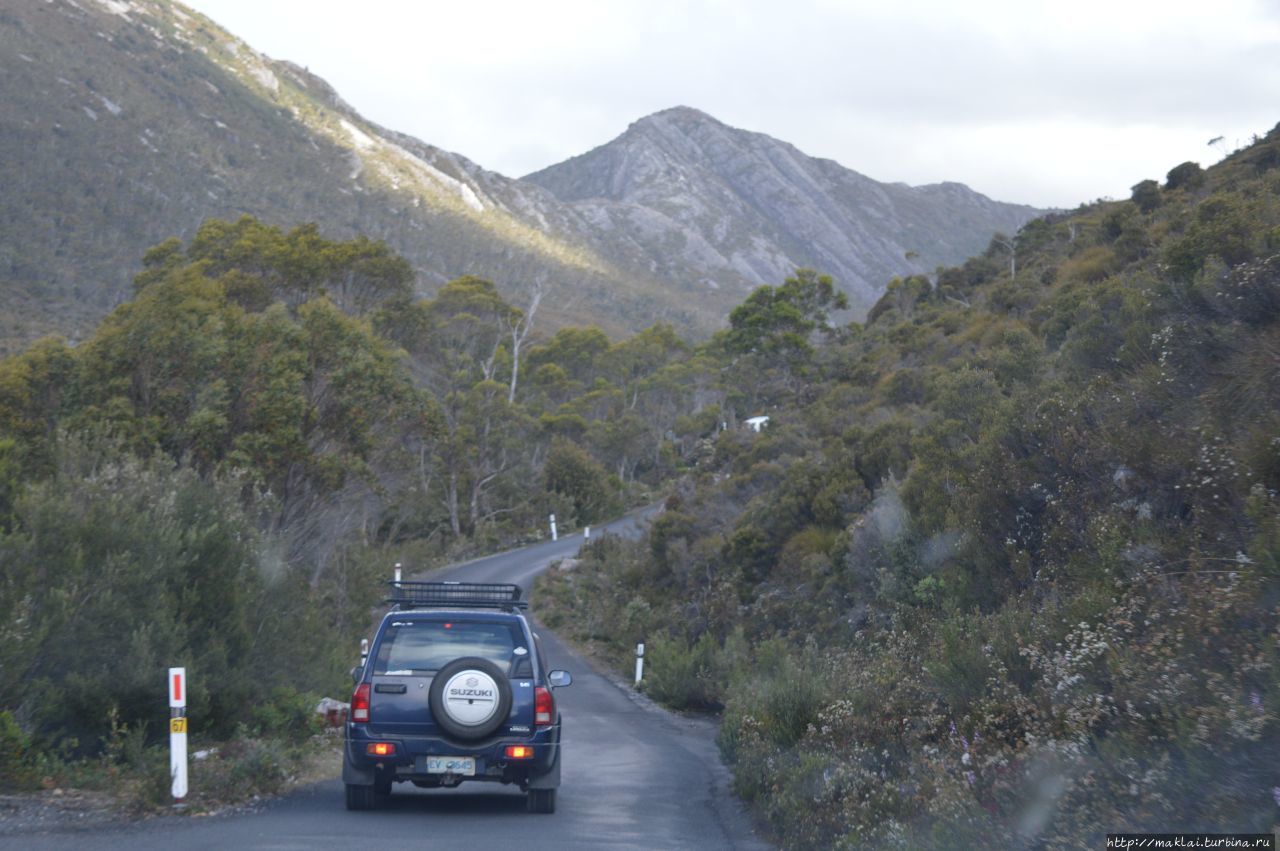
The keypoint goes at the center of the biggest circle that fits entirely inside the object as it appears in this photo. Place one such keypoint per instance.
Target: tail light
(360, 703)
(544, 707)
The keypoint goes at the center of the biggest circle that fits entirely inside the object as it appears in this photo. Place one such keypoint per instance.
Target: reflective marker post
(554, 537)
(639, 662)
(178, 731)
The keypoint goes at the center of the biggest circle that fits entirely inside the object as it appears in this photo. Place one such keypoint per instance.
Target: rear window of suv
(412, 647)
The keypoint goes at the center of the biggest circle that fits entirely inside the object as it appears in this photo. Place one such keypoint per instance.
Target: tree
(572, 473)
(637, 358)
(1187, 175)
(782, 320)
(260, 264)
(519, 326)
(1146, 194)
(456, 344)
(1009, 244)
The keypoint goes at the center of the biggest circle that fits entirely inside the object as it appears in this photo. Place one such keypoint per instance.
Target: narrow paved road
(635, 777)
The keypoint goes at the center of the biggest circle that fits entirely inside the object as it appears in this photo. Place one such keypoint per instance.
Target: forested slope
(220, 475)
(1003, 569)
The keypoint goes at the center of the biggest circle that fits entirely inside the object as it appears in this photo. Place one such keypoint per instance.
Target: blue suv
(454, 688)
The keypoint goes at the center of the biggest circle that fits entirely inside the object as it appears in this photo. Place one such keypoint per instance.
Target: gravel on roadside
(58, 809)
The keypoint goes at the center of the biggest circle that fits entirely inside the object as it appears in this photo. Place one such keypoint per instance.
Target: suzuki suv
(454, 688)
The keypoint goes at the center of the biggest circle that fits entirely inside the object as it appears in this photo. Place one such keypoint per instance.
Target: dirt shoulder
(61, 810)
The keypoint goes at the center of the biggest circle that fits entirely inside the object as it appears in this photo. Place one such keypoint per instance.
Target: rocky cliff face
(125, 122)
(738, 206)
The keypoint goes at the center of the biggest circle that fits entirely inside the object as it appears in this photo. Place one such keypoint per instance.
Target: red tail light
(544, 707)
(360, 703)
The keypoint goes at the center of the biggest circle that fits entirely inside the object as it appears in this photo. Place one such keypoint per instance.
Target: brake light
(360, 703)
(519, 752)
(544, 707)
(380, 749)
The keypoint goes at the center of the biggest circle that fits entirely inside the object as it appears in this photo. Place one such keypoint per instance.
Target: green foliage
(572, 473)
(901, 297)
(17, 763)
(1188, 175)
(124, 568)
(1224, 227)
(683, 676)
(1146, 194)
(780, 320)
(1004, 566)
(242, 769)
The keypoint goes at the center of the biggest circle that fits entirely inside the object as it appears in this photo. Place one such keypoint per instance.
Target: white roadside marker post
(554, 536)
(178, 732)
(639, 662)
(397, 573)
(586, 533)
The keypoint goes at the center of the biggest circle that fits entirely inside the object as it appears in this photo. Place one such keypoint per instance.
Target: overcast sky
(1048, 103)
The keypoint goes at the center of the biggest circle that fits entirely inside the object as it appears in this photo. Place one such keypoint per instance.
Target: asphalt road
(634, 777)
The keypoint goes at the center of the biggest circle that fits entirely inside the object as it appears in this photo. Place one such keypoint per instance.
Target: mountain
(125, 122)
(744, 206)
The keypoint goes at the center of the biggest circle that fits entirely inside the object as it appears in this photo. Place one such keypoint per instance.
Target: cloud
(1027, 101)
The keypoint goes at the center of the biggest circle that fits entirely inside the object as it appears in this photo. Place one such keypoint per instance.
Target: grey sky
(1045, 103)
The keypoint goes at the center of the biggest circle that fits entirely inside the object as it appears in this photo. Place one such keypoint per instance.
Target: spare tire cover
(470, 697)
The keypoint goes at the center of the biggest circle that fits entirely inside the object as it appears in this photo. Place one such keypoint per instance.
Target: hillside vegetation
(220, 475)
(1004, 568)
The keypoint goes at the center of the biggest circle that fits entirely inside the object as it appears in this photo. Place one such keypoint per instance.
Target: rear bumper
(492, 763)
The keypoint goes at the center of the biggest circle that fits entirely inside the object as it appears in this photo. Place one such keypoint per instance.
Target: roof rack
(456, 595)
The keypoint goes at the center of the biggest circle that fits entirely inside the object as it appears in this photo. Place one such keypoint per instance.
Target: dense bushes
(119, 568)
(212, 477)
(1002, 572)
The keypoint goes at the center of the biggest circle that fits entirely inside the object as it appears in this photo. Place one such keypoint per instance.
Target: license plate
(464, 765)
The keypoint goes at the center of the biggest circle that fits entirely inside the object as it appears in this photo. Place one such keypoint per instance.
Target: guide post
(178, 731)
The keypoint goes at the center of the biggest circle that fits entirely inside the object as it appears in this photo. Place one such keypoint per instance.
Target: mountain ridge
(125, 122)
(856, 228)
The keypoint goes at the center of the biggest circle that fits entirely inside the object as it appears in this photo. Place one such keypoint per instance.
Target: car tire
(488, 713)
(542, 800)
(361, 797)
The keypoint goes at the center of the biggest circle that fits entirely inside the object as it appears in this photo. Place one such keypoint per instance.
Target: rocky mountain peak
(758, 207)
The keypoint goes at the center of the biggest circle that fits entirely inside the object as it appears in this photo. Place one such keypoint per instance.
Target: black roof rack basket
(456, 595)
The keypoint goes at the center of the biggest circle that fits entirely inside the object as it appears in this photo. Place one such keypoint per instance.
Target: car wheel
(470, 698)
(542, 800)
(360, 797)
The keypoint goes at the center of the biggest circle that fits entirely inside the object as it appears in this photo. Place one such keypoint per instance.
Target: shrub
(684, 676)
(572, 473)
(1187, 175)
(1146, 194)
(241, 769)
(17, 765)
